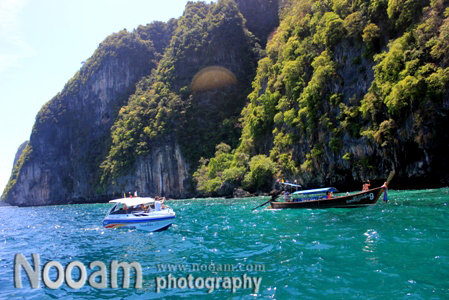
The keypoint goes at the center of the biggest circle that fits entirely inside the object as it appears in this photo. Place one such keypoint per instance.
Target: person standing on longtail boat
(366, 185)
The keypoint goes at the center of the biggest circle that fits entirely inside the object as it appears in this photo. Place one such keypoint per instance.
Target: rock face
(72, 131)
(164, 171)
(262, 17)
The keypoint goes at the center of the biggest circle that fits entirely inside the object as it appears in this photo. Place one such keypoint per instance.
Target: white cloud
(13, 46)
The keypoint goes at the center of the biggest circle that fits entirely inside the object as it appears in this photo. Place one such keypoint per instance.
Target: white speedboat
(142, 213)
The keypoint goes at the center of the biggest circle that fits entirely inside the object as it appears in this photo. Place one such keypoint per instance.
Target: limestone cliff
(341, 93)
(163, 171)
(346, 92)
(72, 131)
(350, 93)
(188, 106)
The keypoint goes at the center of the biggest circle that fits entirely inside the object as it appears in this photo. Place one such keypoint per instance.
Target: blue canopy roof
(317, 191)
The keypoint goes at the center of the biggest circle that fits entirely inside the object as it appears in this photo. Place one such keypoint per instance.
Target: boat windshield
(112, 209)
(122, 208)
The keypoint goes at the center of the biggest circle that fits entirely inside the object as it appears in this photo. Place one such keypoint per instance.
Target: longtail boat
(320, 198)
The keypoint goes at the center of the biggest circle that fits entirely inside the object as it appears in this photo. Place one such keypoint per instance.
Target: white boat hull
(149, 222)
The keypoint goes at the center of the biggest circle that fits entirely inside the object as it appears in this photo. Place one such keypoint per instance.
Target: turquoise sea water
(394, 250)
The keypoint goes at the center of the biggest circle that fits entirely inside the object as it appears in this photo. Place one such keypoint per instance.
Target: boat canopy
(133, 201)
(316, 191)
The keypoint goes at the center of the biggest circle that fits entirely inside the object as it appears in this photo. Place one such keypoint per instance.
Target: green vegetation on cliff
(359, 86)
(167, 106)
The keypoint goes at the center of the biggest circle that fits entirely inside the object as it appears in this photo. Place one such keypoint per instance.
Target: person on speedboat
(157, 204)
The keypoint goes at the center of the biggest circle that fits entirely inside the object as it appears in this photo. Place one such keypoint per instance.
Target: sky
(42, 46)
